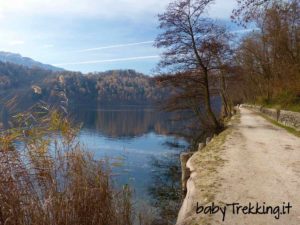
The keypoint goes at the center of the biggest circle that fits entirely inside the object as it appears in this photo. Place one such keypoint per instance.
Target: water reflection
(4, 117)
(165, 189)
(139, 141)
(126, 121)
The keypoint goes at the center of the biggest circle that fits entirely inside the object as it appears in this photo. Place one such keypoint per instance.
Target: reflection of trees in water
(4, 117)
(165, 190)
(118, 122)
(128, 122)
(189, 129)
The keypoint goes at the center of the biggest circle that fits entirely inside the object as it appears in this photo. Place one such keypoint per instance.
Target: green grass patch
(290, 107)
(286, 100)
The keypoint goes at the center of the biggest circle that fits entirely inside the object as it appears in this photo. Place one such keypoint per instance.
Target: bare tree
(192, 43)
(250, 10)
(270, 57)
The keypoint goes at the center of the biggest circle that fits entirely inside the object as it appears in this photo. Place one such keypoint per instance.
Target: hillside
(21, 87)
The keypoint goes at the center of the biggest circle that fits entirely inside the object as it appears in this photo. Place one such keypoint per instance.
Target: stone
(290, 119)
(208, 140)
(272, 113)
(201, 146)
(36, 89)
(184, 157)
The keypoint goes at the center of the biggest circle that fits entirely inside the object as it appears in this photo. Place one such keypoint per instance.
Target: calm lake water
(143, 153)
(137, 141)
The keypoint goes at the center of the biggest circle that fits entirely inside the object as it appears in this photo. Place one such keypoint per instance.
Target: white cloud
(115, 46)
(109, 60)
(244, 31)
(16, 42)
(102, 8)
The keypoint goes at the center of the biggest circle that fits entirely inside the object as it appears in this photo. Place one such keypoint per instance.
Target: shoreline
(203, 182)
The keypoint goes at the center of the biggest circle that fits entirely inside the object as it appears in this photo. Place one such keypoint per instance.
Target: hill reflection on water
(126, 121)
(140, 144)
(139, 141)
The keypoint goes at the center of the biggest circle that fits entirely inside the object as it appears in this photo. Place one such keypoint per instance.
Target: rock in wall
(272, 113)
(290, 119)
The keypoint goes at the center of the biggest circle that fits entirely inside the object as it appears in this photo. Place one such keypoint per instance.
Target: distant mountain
(25, 61)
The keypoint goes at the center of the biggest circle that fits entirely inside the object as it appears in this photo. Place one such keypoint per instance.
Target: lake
(142, 149)
(139, 143)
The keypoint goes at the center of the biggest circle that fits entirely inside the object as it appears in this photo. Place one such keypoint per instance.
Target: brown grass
(51, 180)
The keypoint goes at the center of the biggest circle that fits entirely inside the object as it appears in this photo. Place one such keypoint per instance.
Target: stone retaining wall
(290, 119)
(287, 118)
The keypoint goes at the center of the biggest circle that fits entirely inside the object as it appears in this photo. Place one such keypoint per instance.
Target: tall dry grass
(50, 180)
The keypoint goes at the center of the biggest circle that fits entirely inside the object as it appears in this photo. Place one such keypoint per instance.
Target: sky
(90, 35)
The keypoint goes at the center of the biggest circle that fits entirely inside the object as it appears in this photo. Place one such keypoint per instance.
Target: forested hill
(21, 87)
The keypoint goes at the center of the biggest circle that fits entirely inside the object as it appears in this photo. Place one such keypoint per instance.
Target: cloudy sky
(89, 35)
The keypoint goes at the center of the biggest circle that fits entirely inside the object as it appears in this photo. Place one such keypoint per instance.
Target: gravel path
(261, 164)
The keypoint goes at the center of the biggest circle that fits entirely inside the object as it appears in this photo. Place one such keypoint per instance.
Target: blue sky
(89, 35)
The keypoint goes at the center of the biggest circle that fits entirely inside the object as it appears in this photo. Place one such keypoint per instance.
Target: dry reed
(48, 179)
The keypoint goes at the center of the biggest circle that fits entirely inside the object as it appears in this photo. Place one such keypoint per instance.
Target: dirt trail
(261, 164)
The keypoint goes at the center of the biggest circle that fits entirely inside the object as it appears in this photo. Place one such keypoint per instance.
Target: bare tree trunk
(209, 111)
(225, 110)
(226, 101)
